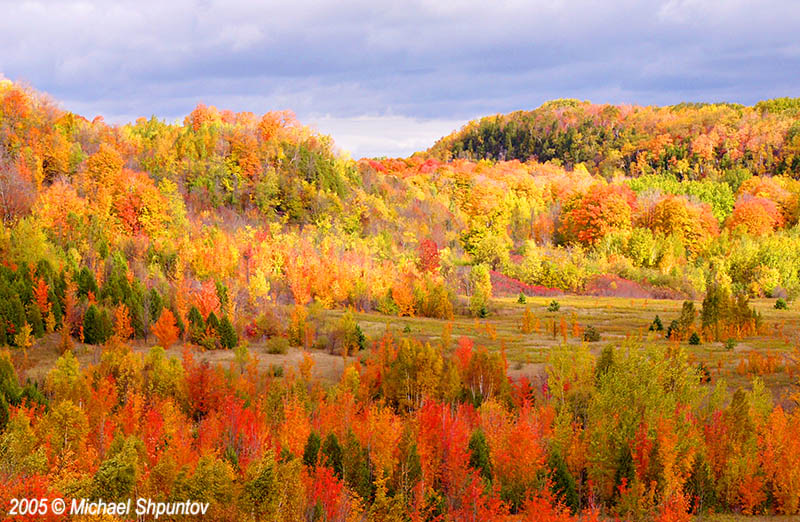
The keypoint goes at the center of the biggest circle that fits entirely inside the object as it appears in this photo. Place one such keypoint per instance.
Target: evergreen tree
(227, 334)
(332, 451)
(97, 326)
(562, 482)
(479, 455)
(311, 451)
(212, 323)
(156, 304)
(35, 320)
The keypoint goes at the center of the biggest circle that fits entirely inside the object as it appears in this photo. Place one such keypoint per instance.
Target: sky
(388, 78)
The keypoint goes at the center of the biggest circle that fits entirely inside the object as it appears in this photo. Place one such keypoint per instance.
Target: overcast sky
(389, 78)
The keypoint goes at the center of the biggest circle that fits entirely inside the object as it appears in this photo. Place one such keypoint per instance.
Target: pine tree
(97, 326)
(35, 320)
(227, 334)
(311, 451)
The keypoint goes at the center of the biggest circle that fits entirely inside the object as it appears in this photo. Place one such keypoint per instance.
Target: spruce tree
(227, 334)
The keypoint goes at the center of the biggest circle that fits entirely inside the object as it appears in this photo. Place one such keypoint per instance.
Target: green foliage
(35, 320)
(481, 283)
(228, 337)
(554, 306)
(656, 325)
(277, 345)
(311, 450)
(780, 304)
(332, 454)
(117, 475)
(591, 335)
(479, 459)
(521, 299)
(563, 484)
(97, 325)
(694, 339)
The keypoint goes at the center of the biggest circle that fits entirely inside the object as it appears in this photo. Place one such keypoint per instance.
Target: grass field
(616, 319)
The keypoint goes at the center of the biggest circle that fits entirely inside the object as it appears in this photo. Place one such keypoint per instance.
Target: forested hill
(690, 140)
(239, 213)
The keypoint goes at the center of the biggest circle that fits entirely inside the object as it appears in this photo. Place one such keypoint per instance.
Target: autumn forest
(581, 312)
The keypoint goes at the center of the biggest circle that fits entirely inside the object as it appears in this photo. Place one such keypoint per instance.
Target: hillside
(547, 316)
(687, 141)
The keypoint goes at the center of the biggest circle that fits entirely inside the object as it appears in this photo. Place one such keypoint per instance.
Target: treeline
(687, 141)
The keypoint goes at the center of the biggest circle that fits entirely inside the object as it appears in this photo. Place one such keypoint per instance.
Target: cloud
(418, 63)
(393, 136)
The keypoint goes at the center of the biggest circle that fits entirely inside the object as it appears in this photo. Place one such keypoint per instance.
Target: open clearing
(616, 319)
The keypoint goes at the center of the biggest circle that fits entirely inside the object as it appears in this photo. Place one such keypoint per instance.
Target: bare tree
(17, 193)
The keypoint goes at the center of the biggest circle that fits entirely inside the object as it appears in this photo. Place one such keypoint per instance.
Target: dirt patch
(502, 285)
(610, 285)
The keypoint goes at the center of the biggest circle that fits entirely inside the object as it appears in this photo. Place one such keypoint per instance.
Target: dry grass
(616, 319)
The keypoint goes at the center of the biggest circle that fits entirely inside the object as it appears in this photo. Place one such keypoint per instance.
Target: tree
(17, 190)
(481, 283)
(428, 253)
(228, 337)
(165, 329)
(758, 216)
(603, 209)
(479, 459)
(97, 327)
(311, 450)
(122, 322)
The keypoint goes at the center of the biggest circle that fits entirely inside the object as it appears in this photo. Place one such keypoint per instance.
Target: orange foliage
(758, 216)
(165, 329)
(602, 209)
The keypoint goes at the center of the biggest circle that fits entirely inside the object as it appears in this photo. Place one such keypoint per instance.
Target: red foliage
(428, 253)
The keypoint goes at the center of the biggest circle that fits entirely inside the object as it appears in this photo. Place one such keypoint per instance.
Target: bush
(780, 304)
(277, 345)
(522, 299)
(705, 374)
(657, 325)
(553, 306)
(591, 335)
(730, 344)
(694, 339)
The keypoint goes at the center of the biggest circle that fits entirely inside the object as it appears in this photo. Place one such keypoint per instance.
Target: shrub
(657, 325)
(705, 374)
(694, 339)
(277, 345)
(730, 344)
(591, 335)
(554, 306)
(522, 299)
(780, 304)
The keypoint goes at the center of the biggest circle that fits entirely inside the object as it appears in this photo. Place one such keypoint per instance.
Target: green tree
(228, 337)
(479, 455)
(481, 283)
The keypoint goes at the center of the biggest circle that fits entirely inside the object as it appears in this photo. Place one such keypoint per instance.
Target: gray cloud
(382, 77)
